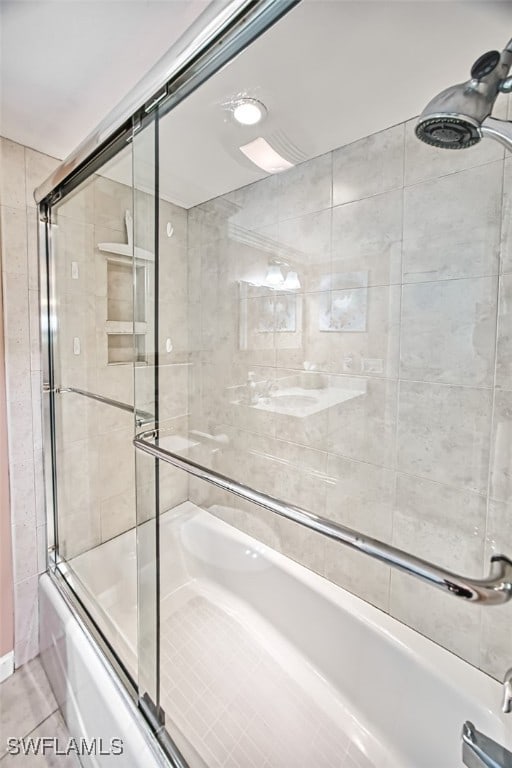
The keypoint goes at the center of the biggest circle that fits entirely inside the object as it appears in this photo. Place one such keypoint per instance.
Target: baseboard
(6, 665)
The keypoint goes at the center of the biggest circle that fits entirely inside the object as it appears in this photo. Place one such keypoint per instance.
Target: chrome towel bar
(141, 417)
(495, 589)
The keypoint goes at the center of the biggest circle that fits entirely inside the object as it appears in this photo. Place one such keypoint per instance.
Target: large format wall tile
(12, 178)
(363, 427)
(306, 188)
(368, 342)
(452, 225)
(369, 166)
(501, 450)
(361, 496)
(443, 434)
(14, 240)
(448, 331)
(504, 351)
(439, 616)
(366, 241)
(359, 574)
(506, 233)
(442, 524)
(38, 168)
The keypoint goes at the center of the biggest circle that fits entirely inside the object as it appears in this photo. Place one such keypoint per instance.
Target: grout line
(41, 722)
(495, 389)
(399, 365)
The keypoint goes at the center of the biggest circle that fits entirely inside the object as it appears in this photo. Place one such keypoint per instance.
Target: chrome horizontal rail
(493, 590)
(141, 417)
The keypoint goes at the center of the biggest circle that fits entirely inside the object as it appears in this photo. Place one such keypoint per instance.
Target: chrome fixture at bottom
(493, 590)
(479, 751)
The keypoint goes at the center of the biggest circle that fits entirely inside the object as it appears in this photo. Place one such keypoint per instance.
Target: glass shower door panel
(93, 383)
(145, 400)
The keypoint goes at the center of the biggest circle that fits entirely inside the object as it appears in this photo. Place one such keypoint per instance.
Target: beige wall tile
(448, 331)
(363, 427)
(117, 513)
(14, 240)
(369, 166)
(354, 571)
(443, 434)
(504, 350)
(440, 523)
(366, 241)
(451, 623)
(38, 168)
(501, 448)
(366, 334)
(452, 225)
(506, 233)
(306, 188)
(12, 178)
(361, 496)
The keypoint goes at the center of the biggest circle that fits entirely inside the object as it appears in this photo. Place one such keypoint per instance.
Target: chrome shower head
(459, 117)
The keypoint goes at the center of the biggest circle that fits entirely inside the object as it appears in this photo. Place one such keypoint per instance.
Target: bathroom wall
(6, 580)
(22, 170)
(95, 460)
(388, 371)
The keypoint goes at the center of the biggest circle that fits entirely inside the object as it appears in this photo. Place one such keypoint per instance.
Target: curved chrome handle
(479, 751)
(495, 589)
(506, 706)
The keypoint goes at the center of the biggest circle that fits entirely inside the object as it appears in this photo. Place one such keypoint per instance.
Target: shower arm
(499, 130)
(493, 590)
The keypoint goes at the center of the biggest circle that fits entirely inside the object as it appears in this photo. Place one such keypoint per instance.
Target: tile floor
(28, 709)
(227, 692)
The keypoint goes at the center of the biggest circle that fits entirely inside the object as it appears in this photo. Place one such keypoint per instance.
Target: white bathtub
(263, 662)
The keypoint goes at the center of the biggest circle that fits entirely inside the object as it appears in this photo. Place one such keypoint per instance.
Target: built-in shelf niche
(126, 334)
(124, 348)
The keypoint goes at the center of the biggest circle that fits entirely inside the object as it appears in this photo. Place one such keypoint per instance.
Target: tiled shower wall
(94, 292)
(396, 352)
(21, 170)
(95, 460)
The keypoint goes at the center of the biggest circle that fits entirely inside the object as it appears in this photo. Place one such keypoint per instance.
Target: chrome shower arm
(499, 130)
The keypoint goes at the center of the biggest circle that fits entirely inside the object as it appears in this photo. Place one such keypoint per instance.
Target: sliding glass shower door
(101, 298)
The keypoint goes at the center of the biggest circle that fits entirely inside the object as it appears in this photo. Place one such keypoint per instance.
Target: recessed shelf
(125, 327)
(126, 252)
(123, 252)
(124, 348)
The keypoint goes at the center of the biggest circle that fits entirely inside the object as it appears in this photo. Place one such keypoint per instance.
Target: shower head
(459, 117)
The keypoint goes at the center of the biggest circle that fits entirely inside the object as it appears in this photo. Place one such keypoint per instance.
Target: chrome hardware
(507, 693)
(495, 589)
(141, 417)
(479, 751)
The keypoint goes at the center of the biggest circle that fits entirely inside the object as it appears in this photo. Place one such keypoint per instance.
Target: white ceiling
(330, 72)
(65, 63)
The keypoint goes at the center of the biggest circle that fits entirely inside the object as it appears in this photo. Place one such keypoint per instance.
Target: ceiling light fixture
(264, 156)
(249, 111)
